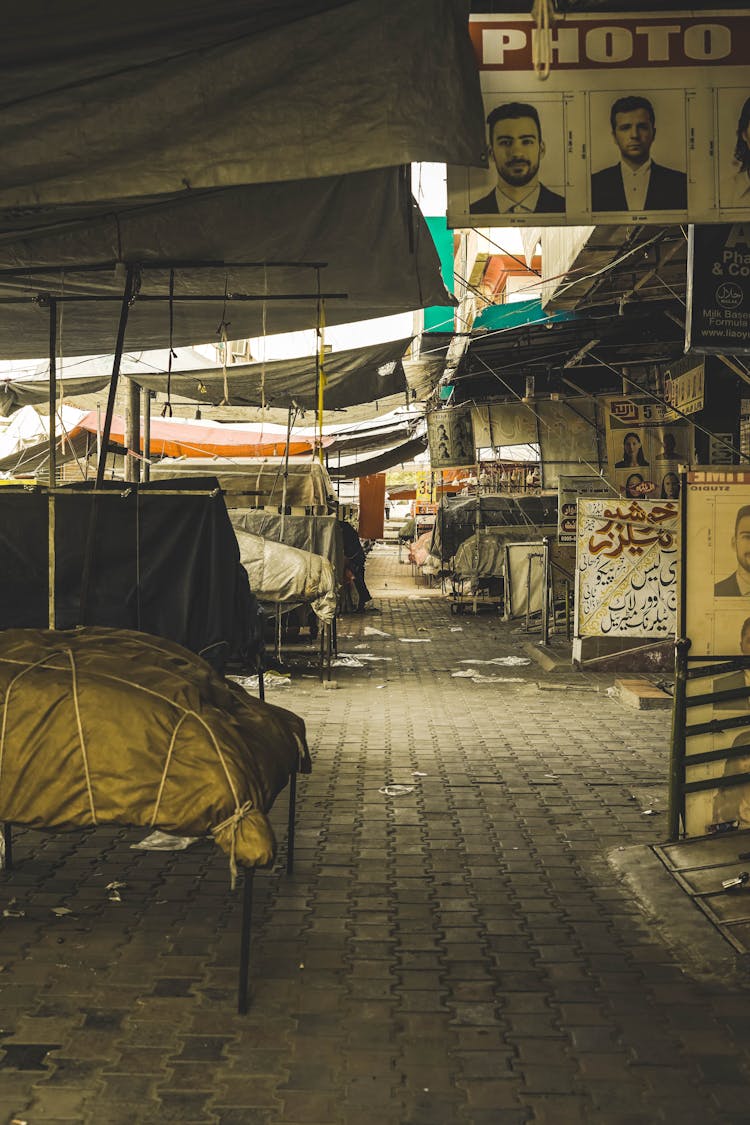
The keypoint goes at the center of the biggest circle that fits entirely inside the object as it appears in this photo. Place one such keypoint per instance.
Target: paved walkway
(461, 954)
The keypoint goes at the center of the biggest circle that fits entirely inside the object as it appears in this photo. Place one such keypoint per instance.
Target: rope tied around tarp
(232, 823)
(242, 809)
(64, 652)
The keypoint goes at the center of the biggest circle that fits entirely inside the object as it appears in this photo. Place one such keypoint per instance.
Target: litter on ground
(164, 842)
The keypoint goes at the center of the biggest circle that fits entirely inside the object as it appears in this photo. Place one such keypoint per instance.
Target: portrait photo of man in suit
(516, 149)
(737, 585)
(739, 679)
(636, 182)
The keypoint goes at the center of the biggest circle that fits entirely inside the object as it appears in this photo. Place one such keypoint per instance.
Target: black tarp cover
(377, 251)
(162, 564)
(353, 376)
(101, 104)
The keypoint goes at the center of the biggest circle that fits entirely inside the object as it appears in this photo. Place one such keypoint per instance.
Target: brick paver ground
(462, 954)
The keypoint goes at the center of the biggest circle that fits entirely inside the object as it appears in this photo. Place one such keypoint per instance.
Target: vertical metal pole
(88, 555)
(677, 748)
(679, 709)
(147, 397)
(292, 820)
(545, 591)
(247, 917)
(133, 432)
(52, 466)
(120, 344)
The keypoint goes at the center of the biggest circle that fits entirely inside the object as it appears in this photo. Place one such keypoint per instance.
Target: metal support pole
(127, 298)
(677, 748)
(247, 917)
(292, 821)
(52, 466)
(147, 398)
(546, 591)
(88, 557)
(133, 432)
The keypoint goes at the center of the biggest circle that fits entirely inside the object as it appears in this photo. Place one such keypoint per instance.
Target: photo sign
(570, 489)
(718, 295)
(645, 448)
(643, 118)
(626, 568)
(715, 616)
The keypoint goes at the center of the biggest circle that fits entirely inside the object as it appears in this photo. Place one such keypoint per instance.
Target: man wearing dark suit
(737, 585)
(516, 149)
(636, 183)
(732, 680)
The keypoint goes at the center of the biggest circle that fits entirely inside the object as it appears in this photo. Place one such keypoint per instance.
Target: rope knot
(232, 824)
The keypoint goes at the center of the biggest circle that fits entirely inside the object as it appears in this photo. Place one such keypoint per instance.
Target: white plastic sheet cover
(171, 96)
(282, 574)
(378, 253)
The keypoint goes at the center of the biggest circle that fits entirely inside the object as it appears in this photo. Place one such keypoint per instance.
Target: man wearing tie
(516, 149)
(636, 183)
(737, 585)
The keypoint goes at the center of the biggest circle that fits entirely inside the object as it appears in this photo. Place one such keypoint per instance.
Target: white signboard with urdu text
(626, 568)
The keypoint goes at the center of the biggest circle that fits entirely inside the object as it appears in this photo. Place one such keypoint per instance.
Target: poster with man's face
(626, 124)
(716, 619)
(638, 151)
(526, 173)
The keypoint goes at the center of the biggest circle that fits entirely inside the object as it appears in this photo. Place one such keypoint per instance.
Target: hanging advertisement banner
(715, 616)
(645, 449)
(451, 437)
(626, 568)
(718, 290)
(570, 489)
(642, 118)
(425, 491)
(684, 387)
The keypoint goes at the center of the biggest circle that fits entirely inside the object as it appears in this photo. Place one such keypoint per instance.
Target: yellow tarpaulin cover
(103, 725)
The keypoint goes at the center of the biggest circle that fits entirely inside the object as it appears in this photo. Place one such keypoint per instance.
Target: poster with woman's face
(733, 127)
(645, 452)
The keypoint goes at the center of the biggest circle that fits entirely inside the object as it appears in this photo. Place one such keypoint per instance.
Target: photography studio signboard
(626, 568)
(643, 118)
(715, 617)
(645, 448)
(718, 292)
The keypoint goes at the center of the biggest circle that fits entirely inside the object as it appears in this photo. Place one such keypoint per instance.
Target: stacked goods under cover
(103, 726)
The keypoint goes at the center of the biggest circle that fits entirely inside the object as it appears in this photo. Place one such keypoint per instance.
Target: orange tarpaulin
(172, 437)
(371, 506)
